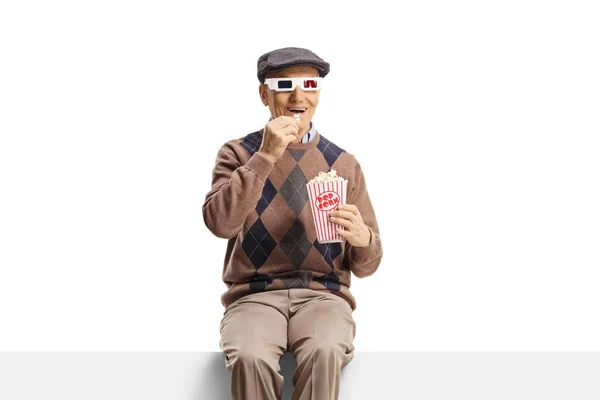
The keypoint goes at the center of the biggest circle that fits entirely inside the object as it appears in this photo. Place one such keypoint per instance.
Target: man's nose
(297, 93)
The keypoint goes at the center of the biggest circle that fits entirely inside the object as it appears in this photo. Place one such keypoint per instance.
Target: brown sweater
(263, 209)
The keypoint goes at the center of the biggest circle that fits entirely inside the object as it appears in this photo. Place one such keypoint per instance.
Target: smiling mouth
(297, 110)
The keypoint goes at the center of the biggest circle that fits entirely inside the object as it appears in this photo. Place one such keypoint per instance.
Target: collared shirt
(310, 135)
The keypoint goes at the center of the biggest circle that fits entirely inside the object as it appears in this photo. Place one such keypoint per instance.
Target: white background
(476, 123)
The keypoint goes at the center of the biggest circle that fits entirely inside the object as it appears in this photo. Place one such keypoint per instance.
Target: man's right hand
(278, 133)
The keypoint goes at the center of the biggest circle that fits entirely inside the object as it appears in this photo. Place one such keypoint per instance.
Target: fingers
(343, 233)
(290, 139)
(344, 215)
(284, 120)
(349, 207)
(289, 130)
(342, 222)
(283, 129)
(278, 134)
(280, 123)
(293, 125)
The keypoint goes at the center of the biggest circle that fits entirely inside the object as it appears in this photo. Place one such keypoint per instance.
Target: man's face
(280, 103)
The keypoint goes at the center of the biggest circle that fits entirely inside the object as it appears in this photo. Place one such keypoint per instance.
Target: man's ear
(262, 91)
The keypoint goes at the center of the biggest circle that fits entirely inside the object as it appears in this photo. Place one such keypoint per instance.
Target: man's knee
(251, 356)
(326, 349)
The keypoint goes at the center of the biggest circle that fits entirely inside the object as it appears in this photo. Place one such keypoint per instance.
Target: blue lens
(284, 84)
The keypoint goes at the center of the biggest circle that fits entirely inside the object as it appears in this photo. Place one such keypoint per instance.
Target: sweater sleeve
(364, 261)
(236, 189)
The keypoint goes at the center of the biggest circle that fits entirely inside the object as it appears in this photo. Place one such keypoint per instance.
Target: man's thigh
(324, 319)
(255, 327)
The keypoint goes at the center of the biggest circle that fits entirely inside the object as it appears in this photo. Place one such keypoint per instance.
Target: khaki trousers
(316, 326)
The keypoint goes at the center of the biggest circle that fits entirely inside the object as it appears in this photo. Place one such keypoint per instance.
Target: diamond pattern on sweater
(252, 142)
(294, 190)
(258, 244)
(312, 164)
(295, 244)
(330, 281)
(297, 279)
(278, 235)
(268, 194)
(330, 251)
(330, 151)
(278, 218)
(297, 154)
(282, 169)
(259, 282)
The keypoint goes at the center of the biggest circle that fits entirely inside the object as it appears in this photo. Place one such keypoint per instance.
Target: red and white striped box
(323, 198)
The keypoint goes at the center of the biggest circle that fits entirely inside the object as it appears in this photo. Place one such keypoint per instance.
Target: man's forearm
(230, 202)
(364, 261)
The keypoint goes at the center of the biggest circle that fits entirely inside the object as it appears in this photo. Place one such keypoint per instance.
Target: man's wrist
(368, 241)
(260, 165)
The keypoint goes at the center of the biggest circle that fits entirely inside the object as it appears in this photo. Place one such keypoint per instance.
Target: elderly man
(285, 290)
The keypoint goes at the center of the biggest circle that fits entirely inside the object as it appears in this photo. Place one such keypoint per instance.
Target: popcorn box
(324, 197)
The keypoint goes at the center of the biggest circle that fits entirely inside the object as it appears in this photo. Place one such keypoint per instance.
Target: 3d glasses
(289, 84)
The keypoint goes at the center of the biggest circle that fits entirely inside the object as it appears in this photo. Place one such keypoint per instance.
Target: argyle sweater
(263, 209)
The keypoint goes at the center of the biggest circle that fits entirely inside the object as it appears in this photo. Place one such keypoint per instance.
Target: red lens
(310, 83)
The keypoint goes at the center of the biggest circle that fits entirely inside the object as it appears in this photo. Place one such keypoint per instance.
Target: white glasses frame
(273, 83)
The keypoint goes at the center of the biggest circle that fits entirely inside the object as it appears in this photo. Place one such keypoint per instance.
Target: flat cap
(288, 57)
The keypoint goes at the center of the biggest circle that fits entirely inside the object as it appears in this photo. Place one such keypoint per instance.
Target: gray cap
(288, 57)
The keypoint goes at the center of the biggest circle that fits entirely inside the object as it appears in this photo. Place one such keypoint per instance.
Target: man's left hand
(356, 233)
